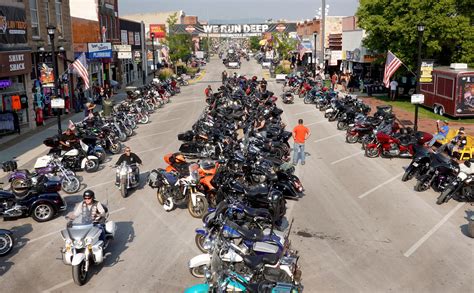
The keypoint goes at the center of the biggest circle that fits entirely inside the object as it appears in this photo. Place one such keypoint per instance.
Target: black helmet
(89, 193)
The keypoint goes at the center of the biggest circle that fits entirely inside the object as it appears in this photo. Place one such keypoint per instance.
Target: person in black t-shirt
(132, 160)
(67, 139)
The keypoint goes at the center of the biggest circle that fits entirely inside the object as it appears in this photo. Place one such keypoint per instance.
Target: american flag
(79, 67)
(391, 66)
(301, 48)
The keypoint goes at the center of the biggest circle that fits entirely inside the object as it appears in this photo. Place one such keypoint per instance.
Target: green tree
(284, 44)
(179, 44)
(392, 25)
(254, 43)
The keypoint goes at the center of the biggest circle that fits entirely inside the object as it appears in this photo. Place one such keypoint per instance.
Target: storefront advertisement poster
(12, 25)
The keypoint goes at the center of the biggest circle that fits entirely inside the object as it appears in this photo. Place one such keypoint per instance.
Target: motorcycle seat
(252, 235)
(255, 261)
(256, 190)
(257, 212)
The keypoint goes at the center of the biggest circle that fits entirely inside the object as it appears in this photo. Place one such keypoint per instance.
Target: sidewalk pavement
(28, 145)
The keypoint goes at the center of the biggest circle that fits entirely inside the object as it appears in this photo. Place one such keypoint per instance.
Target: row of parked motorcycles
(35, 192)
(237, 179)
(383, 135)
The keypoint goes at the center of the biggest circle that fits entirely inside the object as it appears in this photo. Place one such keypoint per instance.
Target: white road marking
(432, 230)
(150, 135)
(149, 150)
(159, 121)
(304, 112)
(380, 185)
(329, 137)
(100, 184)
(317, 122)
(348, 157)
(60, 285)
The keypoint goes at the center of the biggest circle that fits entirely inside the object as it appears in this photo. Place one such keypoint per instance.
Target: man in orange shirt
(300, 134)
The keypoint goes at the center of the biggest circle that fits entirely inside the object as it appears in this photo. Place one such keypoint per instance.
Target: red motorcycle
(402, 146)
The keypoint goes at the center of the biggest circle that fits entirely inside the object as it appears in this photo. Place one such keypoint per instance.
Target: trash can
(107, 106)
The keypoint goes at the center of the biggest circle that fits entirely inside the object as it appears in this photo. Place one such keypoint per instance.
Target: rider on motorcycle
(91, 209)
(132, 160)
(66, 139)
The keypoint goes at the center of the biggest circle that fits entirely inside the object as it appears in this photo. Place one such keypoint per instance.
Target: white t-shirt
(393, 85)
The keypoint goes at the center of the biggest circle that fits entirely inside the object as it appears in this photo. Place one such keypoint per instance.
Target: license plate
(415, 164)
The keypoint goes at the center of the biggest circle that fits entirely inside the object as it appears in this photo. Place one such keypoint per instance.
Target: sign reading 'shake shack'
(234, 29)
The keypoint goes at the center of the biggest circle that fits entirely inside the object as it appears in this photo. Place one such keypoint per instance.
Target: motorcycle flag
(391, 66)
(79, 66)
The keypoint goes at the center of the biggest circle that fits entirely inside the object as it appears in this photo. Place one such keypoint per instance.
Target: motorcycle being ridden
(86, 237)
(128, 174)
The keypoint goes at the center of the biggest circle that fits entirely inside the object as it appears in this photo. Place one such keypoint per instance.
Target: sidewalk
(28, 145)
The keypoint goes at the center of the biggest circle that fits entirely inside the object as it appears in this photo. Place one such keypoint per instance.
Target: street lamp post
(315, 52)
(51, 30)
(420, 28)
(153, 52)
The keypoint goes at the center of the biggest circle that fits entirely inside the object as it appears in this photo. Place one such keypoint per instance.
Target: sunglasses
(127, 151)
(87, 198)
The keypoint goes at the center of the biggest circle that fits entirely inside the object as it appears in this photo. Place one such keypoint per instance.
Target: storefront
(15, 88)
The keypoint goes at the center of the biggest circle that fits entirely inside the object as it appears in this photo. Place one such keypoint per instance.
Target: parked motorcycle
(6, 241)
(391, 146)
(461, 186)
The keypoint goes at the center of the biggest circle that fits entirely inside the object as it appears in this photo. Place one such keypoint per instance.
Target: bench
(451, 134)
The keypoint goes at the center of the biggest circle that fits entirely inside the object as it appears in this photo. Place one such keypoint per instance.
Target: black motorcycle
(441, 172)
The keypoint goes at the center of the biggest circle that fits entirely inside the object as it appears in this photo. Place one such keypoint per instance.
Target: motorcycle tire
(100, 155)
(145, 119)
(372, 152)
(332, 118)
(352, 138)
(91, 166)
(122, 137)
(42, 212)
(160, 196)
(79, 274)
(128, 131)
(197, 272)
(199, 239)
(409, 175)
(201, 207)
(446, 195)
(70, 186)
(6, 243)
(116, 148)
(123, 188)
(422, 185)
(341, 125)
(307, 100)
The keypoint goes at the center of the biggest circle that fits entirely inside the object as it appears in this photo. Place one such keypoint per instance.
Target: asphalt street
(358, 227)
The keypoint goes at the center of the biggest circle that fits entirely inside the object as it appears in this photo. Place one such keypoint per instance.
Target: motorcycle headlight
(88, 241)
(207, 244)
(207, 273)
(78, 243)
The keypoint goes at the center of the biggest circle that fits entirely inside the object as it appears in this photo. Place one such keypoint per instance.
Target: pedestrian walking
(393, 89)
(300, 135)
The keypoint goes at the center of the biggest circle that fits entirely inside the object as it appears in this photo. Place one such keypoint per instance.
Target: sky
(241, 9)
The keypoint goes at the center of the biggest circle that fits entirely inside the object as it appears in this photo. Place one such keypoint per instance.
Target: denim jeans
(298, 153)
(435, 138)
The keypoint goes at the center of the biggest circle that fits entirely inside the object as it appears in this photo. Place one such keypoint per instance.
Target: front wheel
(115, 148)
(409, 174)
(122, 136)
(123, 188)
(92, 165)
(6, 244)
(341, 125)
(144, 119)
(446, 195)
(372, 152)
(43, 212)
(422, 184)
(200, 209)
(197, 272)
(79, 273)
(307, 100)
(351, 138)
(199, 239)
(71, 184)
(160, 196)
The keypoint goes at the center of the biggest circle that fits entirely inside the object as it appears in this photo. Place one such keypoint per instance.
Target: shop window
(35, 32)
(59, 16)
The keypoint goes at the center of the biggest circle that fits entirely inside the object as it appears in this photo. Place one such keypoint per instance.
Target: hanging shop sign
(426, 70)
(57, 103)
(229, 30)
(159, 30)
(47, 76)
(4, 83)
(122, 48)
(124, 55)
(12, 25)
(15, 63)
(137, 56)
(99, 50)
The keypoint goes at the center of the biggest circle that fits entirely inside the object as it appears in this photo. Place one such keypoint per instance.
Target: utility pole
(144, 54)
(323, 31)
